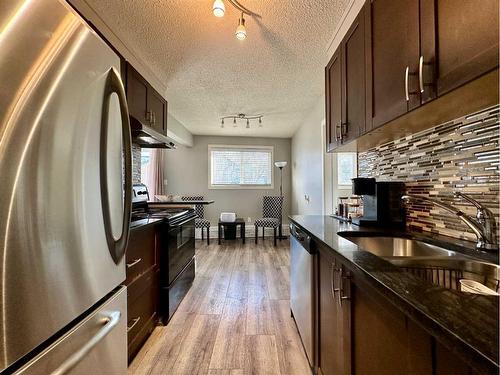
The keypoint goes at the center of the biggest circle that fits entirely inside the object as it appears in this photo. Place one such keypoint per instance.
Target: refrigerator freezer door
(55, 260)
(91, 347)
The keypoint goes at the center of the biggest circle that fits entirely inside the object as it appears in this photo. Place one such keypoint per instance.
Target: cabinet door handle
(407, 84)
(134, 262)
(332, 280)
(134, 323)
(148, 116)
(341, 291)
(342, 126)
(407, 77)
(421, 73)
(339, 134)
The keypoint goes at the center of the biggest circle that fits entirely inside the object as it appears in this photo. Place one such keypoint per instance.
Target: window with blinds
(240, 167)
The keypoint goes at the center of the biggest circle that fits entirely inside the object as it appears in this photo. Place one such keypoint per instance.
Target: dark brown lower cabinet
(142, 286)
(384, 340)
(334, 318)
(141, 252)
(361, 332)
(142, 307)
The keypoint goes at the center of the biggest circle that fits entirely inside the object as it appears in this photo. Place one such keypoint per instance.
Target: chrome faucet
(483, 226)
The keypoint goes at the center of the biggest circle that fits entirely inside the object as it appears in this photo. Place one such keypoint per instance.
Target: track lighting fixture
(242, 116)
(219, 9)
(241, 31)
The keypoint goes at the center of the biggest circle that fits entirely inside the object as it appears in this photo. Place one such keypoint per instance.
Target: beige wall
(186, 170)
(307, 164)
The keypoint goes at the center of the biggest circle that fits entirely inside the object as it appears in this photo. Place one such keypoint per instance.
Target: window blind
(245, 166)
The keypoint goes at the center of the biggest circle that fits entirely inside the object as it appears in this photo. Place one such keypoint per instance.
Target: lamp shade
(280, 164)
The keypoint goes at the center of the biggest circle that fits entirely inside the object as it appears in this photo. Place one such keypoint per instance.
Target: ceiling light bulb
(241, 32)
(248, 124)
(219, 8)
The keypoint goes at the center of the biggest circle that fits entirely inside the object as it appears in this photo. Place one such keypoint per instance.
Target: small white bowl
(472, 286)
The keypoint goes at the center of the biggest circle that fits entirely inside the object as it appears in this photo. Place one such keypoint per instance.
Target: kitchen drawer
(172, 296)
(141, 310)
(141, 252)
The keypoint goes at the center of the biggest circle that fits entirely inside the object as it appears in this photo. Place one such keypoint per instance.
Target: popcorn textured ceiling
(277, 71)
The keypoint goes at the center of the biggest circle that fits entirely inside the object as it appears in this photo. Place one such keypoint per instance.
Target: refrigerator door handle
(109, 322)
(116, 246)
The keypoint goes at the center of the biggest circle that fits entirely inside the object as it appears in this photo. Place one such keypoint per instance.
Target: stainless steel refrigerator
(65, 194)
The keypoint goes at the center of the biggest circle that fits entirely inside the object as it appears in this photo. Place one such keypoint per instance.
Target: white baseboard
(249, 232)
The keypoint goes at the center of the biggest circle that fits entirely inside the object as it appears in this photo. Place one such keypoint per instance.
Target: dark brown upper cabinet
(414, 51)
(345, 81)
(333, 75)
(157, 107)
(422, 49)
(144, 102)
(459, 42)
(354, 84)
(393, 34)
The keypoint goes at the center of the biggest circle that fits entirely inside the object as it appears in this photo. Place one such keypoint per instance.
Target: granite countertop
(466, 323)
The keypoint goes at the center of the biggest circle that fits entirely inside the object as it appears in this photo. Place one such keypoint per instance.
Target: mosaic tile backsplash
(136, 163)
(462, 155)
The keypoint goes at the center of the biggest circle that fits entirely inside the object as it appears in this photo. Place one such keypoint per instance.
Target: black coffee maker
(382, 205)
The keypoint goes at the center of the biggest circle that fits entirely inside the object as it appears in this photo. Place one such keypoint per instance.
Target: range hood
(147, 137)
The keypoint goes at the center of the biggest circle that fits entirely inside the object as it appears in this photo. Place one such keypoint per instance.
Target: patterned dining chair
(200, 221)
(271, 212)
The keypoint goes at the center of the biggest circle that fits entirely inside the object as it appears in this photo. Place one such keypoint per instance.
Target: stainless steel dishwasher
(303, 289)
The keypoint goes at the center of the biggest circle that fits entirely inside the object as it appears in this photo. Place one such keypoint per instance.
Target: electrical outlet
(249, 220)
(165, 182)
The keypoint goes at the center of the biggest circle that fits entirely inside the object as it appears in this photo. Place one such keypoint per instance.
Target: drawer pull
(133, 263)
(135, 321)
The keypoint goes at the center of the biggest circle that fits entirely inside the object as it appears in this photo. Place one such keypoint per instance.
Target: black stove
(142, 211)
(176, 230)
(158, 213)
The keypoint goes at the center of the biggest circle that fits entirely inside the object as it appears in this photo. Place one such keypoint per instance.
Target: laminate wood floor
(235, 319)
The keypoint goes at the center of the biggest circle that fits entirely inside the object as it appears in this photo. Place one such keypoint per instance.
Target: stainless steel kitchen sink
(435, 264)
(399, 247)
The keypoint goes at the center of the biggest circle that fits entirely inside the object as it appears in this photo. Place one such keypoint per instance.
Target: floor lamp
(281, 165)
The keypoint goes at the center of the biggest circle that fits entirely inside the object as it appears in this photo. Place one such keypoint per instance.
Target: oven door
(181, 245)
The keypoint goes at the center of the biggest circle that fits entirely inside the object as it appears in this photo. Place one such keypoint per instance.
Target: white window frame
(354, 170)
(239, 147)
